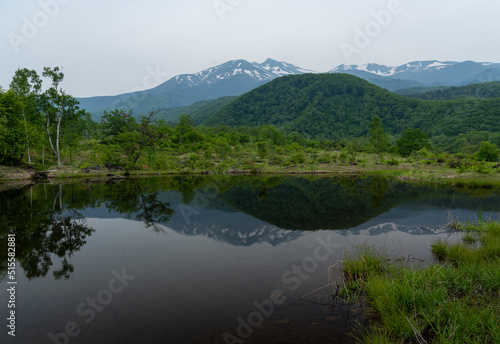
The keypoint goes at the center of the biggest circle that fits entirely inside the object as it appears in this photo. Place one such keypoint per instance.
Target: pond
(219, 259)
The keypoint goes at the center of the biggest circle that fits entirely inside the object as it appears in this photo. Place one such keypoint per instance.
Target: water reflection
(342, 202)
(50, 219)
(228, 242)
(43, 227)
(132, 201)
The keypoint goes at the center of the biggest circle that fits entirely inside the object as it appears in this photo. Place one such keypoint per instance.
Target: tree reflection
(152, 211)
(48, 222)
(138, 204)
(49, 231)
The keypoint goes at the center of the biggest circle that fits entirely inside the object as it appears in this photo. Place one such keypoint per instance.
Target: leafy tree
(262, 149)
(134, 142)
(378, 139)
(353, 147)
(186, 132)
(117, 122)
(57, 104)
(76, 127)
(27, 84)
(412, 140)
(222, 148)
(11, 128)
(487, 152)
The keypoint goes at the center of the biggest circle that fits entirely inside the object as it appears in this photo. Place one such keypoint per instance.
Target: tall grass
(454, 301)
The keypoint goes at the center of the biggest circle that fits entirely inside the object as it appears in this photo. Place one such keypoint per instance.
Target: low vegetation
(455, 300)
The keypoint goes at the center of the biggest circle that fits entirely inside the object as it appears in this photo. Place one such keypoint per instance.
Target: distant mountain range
(237, 77)
(424, 73)
(232, 78)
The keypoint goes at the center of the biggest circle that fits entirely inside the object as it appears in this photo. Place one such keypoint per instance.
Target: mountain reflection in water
(50, 218)
(203, 249)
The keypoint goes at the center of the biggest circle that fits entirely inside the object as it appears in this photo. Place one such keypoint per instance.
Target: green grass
(454, 301)
(362, 263)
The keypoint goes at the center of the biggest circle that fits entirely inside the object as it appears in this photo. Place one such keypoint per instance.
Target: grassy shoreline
(404, 172)
(455, 300)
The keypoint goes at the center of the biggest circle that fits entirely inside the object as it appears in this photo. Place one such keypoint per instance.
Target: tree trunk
(59, 162)
(50, 139)
(56, 149)
(27, 138)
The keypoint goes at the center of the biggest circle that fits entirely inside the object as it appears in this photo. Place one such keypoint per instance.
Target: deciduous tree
(27, 84)
(378, 139)
(57, 104)
(412, 140)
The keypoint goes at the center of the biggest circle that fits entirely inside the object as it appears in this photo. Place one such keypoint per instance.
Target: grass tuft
(363, 263)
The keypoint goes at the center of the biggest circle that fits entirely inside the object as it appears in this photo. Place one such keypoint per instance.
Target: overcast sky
(110, 47)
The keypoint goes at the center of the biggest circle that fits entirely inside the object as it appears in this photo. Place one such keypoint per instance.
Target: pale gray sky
(109, 47)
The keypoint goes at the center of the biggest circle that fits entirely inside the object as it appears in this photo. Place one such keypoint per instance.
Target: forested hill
(198, 111)
(333, 106)
(482, 91)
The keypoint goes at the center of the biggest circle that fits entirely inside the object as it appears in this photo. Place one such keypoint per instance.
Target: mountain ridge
(336, 106)
(236, 77)
(231, 78)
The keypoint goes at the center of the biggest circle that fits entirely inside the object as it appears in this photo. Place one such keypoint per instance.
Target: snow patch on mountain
(259, 72)
(383, 70)
(437, 65)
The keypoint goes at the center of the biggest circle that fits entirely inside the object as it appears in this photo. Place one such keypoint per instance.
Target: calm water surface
(207, 260)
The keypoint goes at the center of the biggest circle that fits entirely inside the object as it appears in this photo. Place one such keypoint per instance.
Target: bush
(483, 168)
(423, 153)
(392, 162)
(454, 163)
(193, 160)
(487, 152)
(298, 158)
(343, 158)
(277, 159)
(324, 159)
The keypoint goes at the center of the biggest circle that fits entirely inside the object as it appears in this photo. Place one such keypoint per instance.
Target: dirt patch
(15, 173)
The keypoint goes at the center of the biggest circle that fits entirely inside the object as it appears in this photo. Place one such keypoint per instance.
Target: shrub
(324, 159)
(424, 153)
(298, 158)
(343, 158)
(487, 152)
(482, 168)
(454, 163)
(392, 162)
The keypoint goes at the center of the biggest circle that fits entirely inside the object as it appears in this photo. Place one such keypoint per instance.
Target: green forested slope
(198, 111)
(332, 106)
(482, 91)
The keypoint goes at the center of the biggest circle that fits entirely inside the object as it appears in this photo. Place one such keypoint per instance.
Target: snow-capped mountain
(236, 77)
(283, 68)
(383, 70)
(247, 74)
(232, 78)
(219, 74)
(424, 73)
